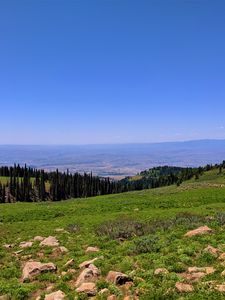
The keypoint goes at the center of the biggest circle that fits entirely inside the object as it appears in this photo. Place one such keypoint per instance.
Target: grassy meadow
(136, 232)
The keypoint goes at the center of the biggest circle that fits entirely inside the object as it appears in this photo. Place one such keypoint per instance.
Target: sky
(111, 71)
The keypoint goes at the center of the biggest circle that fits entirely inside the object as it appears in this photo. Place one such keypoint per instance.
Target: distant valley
(115, 161)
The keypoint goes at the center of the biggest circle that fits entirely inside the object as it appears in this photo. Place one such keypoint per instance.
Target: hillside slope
(136, 233)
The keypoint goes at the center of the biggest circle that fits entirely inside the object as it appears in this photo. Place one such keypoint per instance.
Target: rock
(207, 270)
(25, 244)
(88, 288)
(222, 256)
(4, 297)
(8, 246)
(59, 295)
(50, 241)
(69, 263)
(63, 249)
(161, 271)
(18, 252)
(34, 268)
(89, 274)
(63, 273)
(38, 238)
(85, 264)
(71, 271)
(104, 291)
(184, 287)
(213, 251)
(220, 288)
(199, 231)
(193, 276)
(112, 297)
(92, 250)
(223, 273)
(117, 278)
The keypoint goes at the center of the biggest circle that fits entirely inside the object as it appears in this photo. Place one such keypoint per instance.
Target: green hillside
(136, 232)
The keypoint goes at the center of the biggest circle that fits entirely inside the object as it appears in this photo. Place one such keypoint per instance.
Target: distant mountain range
(117, 160)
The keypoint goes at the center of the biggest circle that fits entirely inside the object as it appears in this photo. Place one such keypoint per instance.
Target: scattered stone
(193, 277)
(71, 271)
(85, 264)
(38, 238)
(18, 252)
(199, 231)
(117, 278)
(184, 287)
(89, 274)
(50, 288)
(112, 297)
(104, 291)
(220, 288)
(63, 273)
(223, 273)
(213, 251)
(69, 263)
(34, 268)
(161, 271)
(8, 246)
(207, 270)
(88, 288)
(222, 256)
(50, 241)
(92, 250)
(4, 297)
(63, 249)
(26, 257)
(25, 244)
(59, 295)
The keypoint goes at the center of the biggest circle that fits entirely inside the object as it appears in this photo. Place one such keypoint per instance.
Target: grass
(136, 232)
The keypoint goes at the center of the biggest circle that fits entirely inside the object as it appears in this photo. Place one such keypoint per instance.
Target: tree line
(26, 184)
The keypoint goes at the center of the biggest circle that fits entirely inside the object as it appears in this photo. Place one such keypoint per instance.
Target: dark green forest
(25, 184)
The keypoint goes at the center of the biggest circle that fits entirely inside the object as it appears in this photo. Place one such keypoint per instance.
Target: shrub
(146, 244)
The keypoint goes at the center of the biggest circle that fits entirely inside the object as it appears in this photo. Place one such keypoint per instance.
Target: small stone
(222, 256)
(184, 287)
(88, 288)
(38, 238)
(104, 291)
(59, 230)
(207, 270)
(213, 251)
(199, 231)
(69, 263)
(25, 244)
(85, 264)
(8, 246)
(161, 271)
(117, 278)
(4, 297)
(63, 249)
(71, 271)
(220, 288)
(223, 273)
(50, 241)
(59, 295)
(89, 274)
(92, 250)
(63, 273)
(112, 297)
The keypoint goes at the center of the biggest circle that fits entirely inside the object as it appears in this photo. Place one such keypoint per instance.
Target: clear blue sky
(77, 72)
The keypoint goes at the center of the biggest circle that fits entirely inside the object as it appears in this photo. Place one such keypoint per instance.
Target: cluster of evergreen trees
(31, 185)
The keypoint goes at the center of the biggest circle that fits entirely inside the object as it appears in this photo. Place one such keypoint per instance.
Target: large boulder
(50, 241)
(199, 231)
(59, 295)
(88, 288)
(34, 268)
(117, 278)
